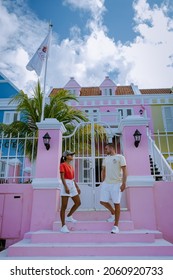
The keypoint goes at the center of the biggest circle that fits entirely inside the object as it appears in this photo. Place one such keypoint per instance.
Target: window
(167, 113)
(92, 114)
(107, 91)
(124, 112)
(10, 117)
(72, 91)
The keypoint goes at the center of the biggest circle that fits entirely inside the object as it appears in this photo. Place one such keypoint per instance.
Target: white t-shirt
(113, 166)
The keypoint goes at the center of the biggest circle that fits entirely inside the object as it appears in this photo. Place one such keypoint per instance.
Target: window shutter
(168, 118)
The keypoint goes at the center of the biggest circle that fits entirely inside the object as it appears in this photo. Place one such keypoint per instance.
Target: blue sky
(129, 40)
(117, 17)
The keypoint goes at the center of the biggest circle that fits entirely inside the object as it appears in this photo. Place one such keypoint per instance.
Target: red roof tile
(124, 90)
(156, 91)
(120, 90)
(55, 91)
(90, 91)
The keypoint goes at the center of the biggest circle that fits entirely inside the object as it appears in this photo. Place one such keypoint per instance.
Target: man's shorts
(110, 192)
(72, 188)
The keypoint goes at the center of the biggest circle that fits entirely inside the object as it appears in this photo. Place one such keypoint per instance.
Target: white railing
(157, 152)
(112, 118)
(16, 166)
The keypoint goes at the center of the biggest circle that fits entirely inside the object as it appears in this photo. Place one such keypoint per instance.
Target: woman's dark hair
(63, 159)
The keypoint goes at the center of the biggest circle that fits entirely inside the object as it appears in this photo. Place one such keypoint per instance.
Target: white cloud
(96, 7)
(152, 49)
(20, 37)
(147, 61)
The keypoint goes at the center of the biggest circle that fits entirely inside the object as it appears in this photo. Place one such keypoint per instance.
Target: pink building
(32, 230)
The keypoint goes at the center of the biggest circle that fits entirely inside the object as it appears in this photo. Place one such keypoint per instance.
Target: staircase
(154, 170)
(91, 237)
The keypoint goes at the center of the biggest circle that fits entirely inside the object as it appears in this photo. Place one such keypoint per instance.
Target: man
(113, 176)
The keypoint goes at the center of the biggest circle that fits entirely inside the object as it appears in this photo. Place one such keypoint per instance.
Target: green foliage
(31, 112)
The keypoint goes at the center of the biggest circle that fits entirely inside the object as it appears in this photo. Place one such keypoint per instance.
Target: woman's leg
(77, 203)
(64, 201)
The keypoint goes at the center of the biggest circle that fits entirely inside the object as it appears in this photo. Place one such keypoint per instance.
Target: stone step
(93, 225)
(97, 215)
(25, 248)
(93, 236)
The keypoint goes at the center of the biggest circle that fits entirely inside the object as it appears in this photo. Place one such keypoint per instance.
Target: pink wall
(46, 166)
(137, 158)
(141, 204)
(44, 210)
(147, 205)
(163, 194)
(46, 183)
(24, 208)
(15, 211)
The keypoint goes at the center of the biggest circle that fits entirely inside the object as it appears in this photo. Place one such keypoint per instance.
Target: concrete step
(97, 215)
(93, 225)
(93, 236)
(25, 248)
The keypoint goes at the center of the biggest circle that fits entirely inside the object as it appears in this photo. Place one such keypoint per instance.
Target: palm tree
(31, 112)
(31, 108)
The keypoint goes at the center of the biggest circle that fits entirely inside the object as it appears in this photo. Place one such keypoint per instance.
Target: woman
(69, 189)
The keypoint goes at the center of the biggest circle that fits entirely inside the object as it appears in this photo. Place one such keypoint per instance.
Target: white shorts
(110, 192)
(72, 188)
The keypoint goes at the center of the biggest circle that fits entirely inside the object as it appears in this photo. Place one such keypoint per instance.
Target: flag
(37, 61)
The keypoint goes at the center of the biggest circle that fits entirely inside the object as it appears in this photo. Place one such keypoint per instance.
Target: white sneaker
(70, 219)
(64, 229)
(111, 218)
(115, 229)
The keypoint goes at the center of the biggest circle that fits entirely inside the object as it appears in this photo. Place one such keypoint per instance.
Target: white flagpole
(45, 74)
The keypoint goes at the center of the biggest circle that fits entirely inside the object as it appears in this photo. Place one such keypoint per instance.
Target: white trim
(133, 120)
(46, 183)
(140, 181)
(135, 89)
(145, 99)
(165, 123)
(170, 159)
(14, 161)
(6, 80)
(4, 104)
(27, 169)
(11, 114)
(51, 124)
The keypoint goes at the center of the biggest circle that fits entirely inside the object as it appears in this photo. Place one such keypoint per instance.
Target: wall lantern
(46, 141)
(137, 135)
(141, 111)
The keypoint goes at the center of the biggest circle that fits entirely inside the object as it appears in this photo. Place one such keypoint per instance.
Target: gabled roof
(107, 83)
(72, 84)
(7, 88)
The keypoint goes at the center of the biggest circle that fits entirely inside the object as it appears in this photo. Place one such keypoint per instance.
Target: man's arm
(103, 172)
(124, 178)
